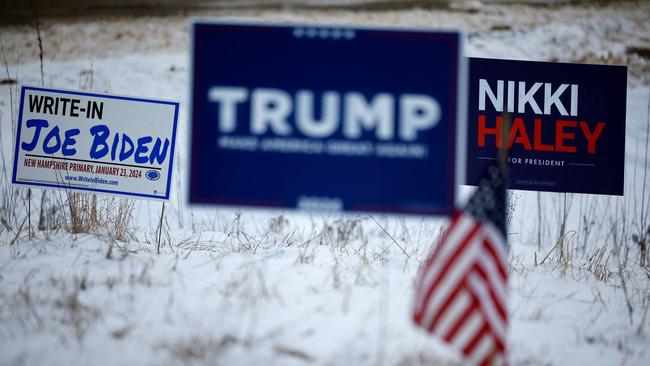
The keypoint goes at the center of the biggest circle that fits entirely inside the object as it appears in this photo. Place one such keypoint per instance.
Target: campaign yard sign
(328, 118)
(95, 142)
(567, 131)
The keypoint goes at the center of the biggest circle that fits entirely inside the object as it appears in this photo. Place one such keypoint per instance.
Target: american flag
(461, 291)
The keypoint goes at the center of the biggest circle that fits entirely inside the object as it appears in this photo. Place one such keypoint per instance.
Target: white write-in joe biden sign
(95, 142)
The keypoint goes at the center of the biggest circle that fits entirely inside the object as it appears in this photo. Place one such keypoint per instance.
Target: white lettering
(554, 98)
(228, 98)
(329, 120)
(528, 97)
(417, 112)
(497, 100)
(574, 99)
(511, 96)
(270, 109)
(378, 113)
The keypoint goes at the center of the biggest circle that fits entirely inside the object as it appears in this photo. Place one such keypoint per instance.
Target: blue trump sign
(325, 118)
(567, 131)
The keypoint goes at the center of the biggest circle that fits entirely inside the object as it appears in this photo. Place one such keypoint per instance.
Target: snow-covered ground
(254, 287)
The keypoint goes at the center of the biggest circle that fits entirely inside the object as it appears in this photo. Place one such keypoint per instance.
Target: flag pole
(479, 233)
(502, 155)
(160, 225)
(502, 162)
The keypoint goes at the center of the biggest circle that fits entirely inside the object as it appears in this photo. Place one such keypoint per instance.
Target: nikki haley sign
(568, 124)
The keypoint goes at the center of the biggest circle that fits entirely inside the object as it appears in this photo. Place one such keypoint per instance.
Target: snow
(287, 288)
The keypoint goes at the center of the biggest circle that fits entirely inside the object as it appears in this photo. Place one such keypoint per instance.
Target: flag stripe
(453, 310)
(461, 320)
(435, 253)
(460, 287)
(455, 219)
(484, 351)
(462, 332)
(497, 263)
(487, 307)
(496, 290)
(454, 238)
(455, 269)
(498, 242)
(480, 335)
(436, 272)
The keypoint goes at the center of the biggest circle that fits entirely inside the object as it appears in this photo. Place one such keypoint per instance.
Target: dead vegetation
(198, 349)
(579, 237)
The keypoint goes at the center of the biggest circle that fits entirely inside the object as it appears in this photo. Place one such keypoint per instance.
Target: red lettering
(591, 136)
(537, 136)
(560, 135)
(483, 131)
(518, 134)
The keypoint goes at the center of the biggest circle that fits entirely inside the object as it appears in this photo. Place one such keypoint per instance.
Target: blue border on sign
(108, 96)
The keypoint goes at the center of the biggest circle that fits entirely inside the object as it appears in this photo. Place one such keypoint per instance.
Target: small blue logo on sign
(152, 175)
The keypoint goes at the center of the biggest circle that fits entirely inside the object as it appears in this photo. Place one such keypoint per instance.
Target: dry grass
(199, 349)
